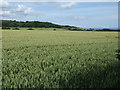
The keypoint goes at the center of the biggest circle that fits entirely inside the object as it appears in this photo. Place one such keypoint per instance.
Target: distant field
(59, 59)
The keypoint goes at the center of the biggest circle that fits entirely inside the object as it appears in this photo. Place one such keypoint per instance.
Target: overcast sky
(81, 14)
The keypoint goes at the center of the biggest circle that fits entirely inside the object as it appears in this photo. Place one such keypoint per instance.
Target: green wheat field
(60, 59)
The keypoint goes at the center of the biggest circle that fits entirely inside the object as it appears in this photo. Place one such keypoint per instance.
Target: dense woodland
(8, 24)
(35, 24)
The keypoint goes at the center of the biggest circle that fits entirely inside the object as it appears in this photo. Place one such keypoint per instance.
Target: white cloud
(29, 10)
(63, 0)
(4, 4)
(4, 12)
(24, 9)
(10, 10)
(68, 5)
(20, 8)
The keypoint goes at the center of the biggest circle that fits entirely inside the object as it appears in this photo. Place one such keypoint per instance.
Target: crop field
(60, 59)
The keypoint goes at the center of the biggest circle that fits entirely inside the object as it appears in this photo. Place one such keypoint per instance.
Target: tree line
(33, 24)
(7, 24)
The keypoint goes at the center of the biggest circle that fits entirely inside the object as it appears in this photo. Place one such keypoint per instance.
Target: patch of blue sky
(82, 14)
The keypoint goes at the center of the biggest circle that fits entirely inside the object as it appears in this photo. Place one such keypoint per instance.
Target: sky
(80, 14)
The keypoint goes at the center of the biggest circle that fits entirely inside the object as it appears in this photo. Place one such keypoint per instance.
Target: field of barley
(60, 59)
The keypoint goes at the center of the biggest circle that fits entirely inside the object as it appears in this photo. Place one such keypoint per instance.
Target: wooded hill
(7, 24)
(35, 24)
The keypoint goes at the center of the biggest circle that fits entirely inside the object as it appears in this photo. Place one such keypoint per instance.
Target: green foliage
(15, 28)
(47, 59)
(30, 29)
(36, 24)
(5, 27)
(54, 29)
(69, 28)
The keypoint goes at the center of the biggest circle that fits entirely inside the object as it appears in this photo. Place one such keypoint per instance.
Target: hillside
(35, 24)
(7, 24)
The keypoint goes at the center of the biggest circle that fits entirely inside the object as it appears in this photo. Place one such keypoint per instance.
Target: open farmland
(59, 59)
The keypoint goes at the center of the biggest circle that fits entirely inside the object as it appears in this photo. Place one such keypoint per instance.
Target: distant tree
(75, 29)
(36, 24)
(16, 28)
(69, 28)
(106, 29)
(6, 28)
(30, 29)
(54, 29)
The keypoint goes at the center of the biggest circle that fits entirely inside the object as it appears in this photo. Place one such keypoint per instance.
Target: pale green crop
(59, 59)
